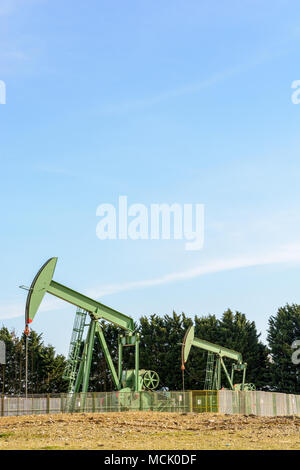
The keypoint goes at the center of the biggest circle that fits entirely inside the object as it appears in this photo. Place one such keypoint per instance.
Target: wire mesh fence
(258, 403)
(170, 401)
(195, 401)
(127, 401)
(33, 404)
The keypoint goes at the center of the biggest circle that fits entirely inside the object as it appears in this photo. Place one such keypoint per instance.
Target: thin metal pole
(26, 332)
(137, 362)
(26, 365)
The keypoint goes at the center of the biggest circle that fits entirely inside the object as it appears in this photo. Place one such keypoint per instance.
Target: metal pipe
(26, 364)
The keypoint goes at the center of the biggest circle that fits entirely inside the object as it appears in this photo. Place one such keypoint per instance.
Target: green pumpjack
(215, 362)
(79, 365)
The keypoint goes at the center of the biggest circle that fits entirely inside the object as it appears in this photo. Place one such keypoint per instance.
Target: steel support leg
(107, 356)
(87, 358)
(137, 363)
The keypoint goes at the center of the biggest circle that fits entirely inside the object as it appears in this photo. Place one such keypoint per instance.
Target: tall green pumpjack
(215, 362)
(79, 364)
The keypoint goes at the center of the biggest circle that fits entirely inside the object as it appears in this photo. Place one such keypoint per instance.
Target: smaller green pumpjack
(215, 363)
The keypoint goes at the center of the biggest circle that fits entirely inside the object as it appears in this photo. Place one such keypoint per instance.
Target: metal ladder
(209, 375)
(73, 360)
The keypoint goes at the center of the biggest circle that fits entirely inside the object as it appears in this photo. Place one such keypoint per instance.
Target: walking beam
(43, 283)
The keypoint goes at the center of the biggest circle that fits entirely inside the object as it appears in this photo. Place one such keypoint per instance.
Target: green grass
(49, 448)
(6, 434)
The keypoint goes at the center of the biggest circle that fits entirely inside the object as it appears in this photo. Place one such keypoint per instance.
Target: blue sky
(174, 101)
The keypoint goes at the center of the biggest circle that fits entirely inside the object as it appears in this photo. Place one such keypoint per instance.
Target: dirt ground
(148, 430)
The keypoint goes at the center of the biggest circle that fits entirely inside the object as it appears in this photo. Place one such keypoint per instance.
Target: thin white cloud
(18, 309)
(286, 254)
(11, 310)
(264, 55)
(191, 88)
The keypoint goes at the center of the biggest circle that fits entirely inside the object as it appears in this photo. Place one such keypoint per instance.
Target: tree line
(269, 366)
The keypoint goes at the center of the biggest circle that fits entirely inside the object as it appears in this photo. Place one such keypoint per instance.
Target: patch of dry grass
(148, 430)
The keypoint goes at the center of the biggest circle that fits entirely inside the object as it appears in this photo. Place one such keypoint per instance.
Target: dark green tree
(161, 339)
(9, 379)
(240, 334)
(45, 368)
(284, 329)
(51, 370)
(160, 350)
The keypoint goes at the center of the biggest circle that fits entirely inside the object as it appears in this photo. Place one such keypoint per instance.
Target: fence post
(257, 397)
(274, 404)
(288, 405)
(191, 401)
